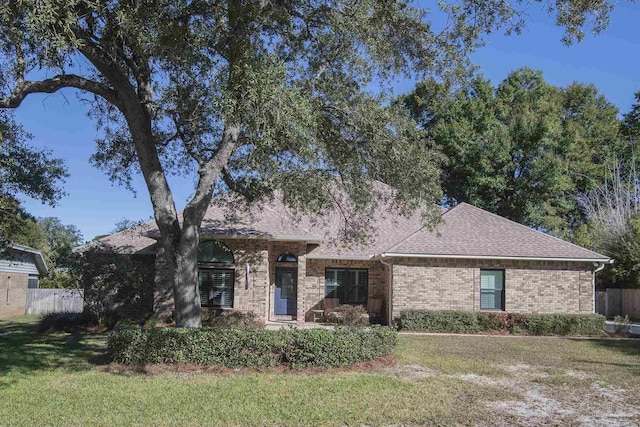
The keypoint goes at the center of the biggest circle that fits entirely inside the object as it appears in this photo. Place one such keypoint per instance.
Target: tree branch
(27, 87)
(236, 187)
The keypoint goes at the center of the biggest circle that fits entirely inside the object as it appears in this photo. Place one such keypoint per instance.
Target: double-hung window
(350, 286)
(492, 289)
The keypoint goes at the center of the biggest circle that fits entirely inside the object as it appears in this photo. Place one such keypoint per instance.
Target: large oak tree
(254, 95)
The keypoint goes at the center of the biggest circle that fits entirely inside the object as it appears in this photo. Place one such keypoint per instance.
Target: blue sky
(59, 123)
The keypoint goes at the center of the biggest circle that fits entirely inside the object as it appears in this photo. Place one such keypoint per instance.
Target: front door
(286, 291)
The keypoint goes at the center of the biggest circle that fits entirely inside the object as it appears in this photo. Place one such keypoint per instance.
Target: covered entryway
(286, 291)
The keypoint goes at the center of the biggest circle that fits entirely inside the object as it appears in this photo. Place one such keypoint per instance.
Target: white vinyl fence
(42, 301)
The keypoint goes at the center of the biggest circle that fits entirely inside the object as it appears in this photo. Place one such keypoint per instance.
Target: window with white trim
(492, 289)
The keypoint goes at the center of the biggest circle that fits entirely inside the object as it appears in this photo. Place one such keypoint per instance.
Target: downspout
(390, 283)
(599, 267)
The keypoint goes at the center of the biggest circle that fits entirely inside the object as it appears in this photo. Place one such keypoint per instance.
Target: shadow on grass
(24, 351)
(628, 348)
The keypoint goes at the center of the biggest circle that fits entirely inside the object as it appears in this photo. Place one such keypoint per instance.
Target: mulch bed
(157, 369)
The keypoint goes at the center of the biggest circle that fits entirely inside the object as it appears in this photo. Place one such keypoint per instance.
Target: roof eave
(502, 257)
(342, 257)
(41, 264)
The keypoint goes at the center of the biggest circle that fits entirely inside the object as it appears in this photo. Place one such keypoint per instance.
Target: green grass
(60, 379)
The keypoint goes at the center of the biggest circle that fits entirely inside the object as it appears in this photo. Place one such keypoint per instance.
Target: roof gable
(470, 231)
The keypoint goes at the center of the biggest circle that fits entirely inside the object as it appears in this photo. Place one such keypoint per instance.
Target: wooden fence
(42, 301)
(618, 302)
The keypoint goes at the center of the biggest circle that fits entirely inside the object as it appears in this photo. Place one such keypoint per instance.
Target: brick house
(282, 266)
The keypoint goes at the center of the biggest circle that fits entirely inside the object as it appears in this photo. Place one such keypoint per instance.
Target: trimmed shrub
(235, 348)
(439, 321)
(470, 322)
(565, 324)
(66, 322)
(354, 316)
(231, 320)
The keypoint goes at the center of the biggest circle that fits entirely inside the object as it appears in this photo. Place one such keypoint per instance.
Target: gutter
(525, 258)
(598, 267)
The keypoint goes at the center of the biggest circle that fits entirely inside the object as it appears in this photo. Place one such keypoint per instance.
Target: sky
(93, 204)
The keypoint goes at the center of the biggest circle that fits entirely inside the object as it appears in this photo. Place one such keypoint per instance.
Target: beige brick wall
(250, 296)
(530, 286)
(13, 294)
(314, 282)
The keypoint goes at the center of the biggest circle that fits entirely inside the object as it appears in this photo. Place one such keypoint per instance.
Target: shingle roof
(465, 231)
(470, 231)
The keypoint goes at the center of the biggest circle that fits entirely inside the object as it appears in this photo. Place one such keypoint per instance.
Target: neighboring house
(20, 269)
(265, 259)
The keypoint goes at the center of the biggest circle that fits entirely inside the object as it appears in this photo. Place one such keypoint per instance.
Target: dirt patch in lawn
(411, 373)
(552, 396)
(162, 368)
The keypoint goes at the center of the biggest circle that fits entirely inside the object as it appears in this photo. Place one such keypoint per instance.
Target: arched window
(214, 251)
(287, 257)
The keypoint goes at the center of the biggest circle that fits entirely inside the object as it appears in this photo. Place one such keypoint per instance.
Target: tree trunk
(186, 292)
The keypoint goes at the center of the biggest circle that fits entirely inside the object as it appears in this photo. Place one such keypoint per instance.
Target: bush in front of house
(354, 316)
(515, 323)
(66, 322)
(231, 320)
(438, 321)
(565, 324)
(236, 348)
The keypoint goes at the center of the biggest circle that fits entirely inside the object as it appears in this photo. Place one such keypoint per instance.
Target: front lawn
(63, 379)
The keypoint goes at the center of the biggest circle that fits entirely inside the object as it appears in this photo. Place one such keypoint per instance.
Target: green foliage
(66, 322)
(125, 224)
(522, 149)
(235, 348)
(438, 321)
(113, 282)
(62, 238)
(621, 324)
(565, 324)
(354, 316)
(471, 322)
(60, 279)
(231, 320)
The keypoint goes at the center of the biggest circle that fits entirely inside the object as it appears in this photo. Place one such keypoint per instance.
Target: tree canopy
(523, 149)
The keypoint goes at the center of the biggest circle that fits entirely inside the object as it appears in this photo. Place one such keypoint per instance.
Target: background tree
(253, 95)
(523, 149)
(614, 210)
(24, 170)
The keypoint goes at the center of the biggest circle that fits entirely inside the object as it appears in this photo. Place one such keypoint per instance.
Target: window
(33, 282)
(492, 289)
(216, 287)
(216, 252)
(287, 257)
(350, 286)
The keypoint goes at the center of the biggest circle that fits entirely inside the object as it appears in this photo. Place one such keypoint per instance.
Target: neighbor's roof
(40, 262)
(465, 232)
(470, 232)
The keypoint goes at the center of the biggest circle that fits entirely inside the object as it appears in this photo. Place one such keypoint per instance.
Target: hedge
(472, 322)
(234, 348)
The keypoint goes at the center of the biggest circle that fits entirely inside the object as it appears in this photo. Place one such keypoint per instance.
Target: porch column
(302, 289)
